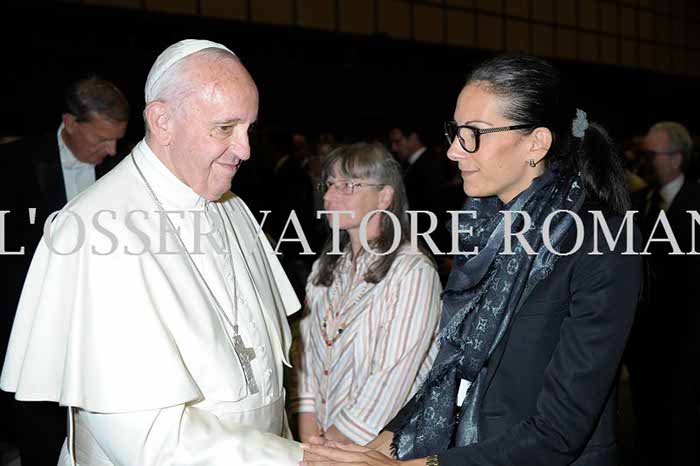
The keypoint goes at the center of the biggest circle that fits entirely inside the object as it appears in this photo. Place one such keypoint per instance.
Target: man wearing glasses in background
(665, 332)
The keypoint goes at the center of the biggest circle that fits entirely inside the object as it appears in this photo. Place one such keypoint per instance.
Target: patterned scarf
(482, 294)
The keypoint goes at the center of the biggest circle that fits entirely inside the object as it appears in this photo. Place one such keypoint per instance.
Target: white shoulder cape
(120, 332)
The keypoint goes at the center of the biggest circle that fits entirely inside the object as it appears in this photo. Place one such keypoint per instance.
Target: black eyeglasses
(469, 136)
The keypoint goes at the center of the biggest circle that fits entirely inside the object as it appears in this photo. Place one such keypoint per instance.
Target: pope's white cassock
(126, 332)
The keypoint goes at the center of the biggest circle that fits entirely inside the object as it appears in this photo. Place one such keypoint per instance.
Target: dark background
(309, 81)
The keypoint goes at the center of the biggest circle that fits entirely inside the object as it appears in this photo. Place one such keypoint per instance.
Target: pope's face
(210, 132)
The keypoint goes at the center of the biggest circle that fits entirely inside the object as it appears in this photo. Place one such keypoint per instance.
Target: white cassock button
(252, 325)
(241, 300)
(268, 373)
(261, 348)
(268, 399)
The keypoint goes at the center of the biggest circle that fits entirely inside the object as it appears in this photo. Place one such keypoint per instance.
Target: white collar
(68, 159)
(172, 193)
(416, 155)
(670, 190)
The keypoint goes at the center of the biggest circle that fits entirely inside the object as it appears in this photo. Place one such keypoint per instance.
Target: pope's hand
(311, 458)
(324, 442)
(320, 441)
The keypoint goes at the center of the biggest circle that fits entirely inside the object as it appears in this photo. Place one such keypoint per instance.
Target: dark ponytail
(531, 90)
(600, 165)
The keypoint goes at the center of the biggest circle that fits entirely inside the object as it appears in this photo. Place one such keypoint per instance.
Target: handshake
(320, 450)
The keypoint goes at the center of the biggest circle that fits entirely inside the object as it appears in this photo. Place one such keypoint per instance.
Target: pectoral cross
(245, 355)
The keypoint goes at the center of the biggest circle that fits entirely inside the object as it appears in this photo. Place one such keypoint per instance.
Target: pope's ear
(158, 118)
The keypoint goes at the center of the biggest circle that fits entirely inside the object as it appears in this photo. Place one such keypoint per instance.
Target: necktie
(655, 204)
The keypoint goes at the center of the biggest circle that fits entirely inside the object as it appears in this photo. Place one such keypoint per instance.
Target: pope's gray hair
(176, 83)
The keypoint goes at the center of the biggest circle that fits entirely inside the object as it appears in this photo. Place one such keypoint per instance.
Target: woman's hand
(317, 455)
(321, 451)
(382, 443)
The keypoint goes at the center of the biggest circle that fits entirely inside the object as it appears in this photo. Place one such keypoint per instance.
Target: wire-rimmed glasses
(344, 187)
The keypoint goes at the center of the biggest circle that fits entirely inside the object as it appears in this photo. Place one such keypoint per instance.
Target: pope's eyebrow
(228, 121)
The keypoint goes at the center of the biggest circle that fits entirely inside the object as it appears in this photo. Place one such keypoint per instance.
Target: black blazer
(426, 189)
(32, 177)
(37, 162)
(688, 198)
(673, 279)
(550, 395)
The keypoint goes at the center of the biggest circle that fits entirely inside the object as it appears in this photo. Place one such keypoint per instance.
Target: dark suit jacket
(688, 198)
(295, 192)
(426, 189)
(673, 279)
(37, 162)
(666, 334)
(550, 395)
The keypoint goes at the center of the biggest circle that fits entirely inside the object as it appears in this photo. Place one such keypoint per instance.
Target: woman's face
(363, 200)
(500, 165)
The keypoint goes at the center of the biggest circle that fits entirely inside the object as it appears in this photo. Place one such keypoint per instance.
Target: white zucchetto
(172, 55)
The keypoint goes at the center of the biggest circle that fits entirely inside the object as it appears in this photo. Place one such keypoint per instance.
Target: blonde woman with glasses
(372, 305)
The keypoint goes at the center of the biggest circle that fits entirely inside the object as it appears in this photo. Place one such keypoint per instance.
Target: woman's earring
(532, 163)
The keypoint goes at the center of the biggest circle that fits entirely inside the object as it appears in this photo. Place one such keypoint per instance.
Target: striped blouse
(359, 378)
